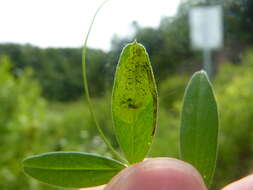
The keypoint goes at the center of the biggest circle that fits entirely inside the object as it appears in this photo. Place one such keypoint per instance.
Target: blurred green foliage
(21, 117)
(234, 89)
(29, 125)
(58, 70)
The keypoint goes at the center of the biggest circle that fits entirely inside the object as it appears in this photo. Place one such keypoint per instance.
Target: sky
(64, 23)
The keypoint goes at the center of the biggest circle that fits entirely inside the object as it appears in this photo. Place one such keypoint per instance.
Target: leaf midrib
(88, 169)
(197, 117)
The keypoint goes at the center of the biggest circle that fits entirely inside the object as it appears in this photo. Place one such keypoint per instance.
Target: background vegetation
(42, 107)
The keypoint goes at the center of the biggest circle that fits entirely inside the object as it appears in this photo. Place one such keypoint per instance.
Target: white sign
(206, 27)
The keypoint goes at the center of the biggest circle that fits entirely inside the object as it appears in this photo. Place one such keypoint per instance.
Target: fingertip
(245, 183)
(158, 173)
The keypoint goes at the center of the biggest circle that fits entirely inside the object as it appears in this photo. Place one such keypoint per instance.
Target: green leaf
(72, 169)
(134, 102)
(199, 126)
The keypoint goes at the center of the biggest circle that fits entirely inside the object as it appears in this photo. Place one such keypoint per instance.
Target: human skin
(165, 174)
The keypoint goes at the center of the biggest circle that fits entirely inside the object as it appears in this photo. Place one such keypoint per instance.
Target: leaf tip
(201, 75)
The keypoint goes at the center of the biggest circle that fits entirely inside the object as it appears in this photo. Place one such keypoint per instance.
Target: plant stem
(87, 94)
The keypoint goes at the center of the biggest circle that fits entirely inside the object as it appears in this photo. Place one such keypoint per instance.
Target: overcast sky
(64, 23)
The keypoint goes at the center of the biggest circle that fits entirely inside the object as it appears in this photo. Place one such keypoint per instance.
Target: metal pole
(207, 62)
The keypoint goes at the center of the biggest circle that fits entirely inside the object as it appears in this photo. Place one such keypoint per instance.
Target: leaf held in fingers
(199, 126)
(134, 102)
(72, 169)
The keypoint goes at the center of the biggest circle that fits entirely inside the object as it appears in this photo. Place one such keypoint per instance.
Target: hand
(164, 174)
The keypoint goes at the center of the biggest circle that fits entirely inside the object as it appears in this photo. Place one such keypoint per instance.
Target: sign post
(206, 32)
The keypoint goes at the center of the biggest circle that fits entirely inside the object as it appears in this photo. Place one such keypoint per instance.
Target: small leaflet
(72, 169)
(199, 126)
(134, 102)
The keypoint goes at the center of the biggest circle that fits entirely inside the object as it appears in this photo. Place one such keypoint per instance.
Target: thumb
(158, 174)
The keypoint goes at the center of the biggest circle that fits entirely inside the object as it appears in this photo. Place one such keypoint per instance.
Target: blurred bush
(21, 115)
(166, 141)
(72, 128)
(234, 89)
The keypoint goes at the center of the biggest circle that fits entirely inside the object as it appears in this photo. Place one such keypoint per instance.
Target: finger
(158, 174)
(245, 183)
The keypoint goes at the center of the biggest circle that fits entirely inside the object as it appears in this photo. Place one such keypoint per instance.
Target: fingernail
(158, 174)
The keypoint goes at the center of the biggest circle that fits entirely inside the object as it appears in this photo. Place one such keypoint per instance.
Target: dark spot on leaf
(134, 106)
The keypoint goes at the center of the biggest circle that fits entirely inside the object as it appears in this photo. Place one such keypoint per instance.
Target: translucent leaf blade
(199, 126)
(71, 169)
(134, 102)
